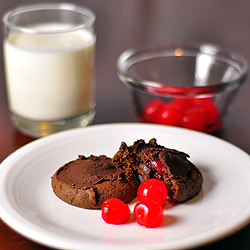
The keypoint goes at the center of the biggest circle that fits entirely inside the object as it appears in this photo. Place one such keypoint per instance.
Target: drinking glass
(49, 60)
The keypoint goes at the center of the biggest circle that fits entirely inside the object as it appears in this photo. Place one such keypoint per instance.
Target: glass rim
(25, 8)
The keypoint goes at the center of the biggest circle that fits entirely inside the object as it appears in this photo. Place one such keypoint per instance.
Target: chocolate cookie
(88, 181)
(181, 177)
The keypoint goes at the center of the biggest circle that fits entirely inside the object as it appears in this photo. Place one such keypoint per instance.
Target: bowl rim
(156, 88)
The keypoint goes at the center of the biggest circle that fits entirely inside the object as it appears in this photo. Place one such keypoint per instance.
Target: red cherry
(208, 108)
(151, 108)
(157, 166)
(202, 101)
(182, 104)
(170, 115)
(211, 113)
(194, 119)
(148, 213)
(115, 211)
(152, 189)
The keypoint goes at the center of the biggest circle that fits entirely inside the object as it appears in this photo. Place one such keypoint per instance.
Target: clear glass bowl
(187, 86)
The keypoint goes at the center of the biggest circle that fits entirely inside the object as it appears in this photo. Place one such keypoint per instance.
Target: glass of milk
(49, 57)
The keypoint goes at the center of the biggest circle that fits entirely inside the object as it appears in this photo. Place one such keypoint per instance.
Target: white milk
(50, 77)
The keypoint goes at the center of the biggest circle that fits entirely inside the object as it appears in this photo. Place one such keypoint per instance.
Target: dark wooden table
(124, 24)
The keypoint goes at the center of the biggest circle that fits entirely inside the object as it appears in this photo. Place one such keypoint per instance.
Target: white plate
(29, 206)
